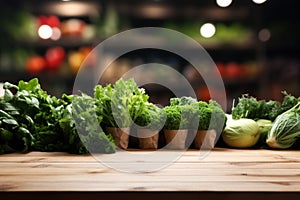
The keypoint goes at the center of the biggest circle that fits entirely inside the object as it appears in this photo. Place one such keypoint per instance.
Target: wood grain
(223, 170)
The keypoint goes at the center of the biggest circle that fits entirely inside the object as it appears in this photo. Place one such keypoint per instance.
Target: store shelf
(243, 18)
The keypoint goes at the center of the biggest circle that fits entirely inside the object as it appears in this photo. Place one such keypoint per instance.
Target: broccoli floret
(180, 117)
(151, 116)
(211, 116)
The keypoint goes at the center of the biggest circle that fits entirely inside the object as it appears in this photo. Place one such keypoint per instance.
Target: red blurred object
(42, 20)
(35, 64)
(234, 71)
(54, 57)
(221, 68)
(53, 21)
(203, 93)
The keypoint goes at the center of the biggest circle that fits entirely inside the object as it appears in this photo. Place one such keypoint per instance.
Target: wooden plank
(218, 155)
(229, 170)
(115, 178)
(212, 186)
(15, 167)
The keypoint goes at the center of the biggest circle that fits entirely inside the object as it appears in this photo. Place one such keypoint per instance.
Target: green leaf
(10, 122)
(32, 85)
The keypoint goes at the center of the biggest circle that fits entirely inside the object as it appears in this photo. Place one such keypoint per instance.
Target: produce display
(33, 120)
(277, 123)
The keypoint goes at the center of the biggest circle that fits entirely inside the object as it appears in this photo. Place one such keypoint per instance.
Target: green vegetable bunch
(211, 116)
(180, 117)
(14, 127)
(31, 119)
(87, 124)
(151, 116)
(122, 103)
(187, 112)
(36, 112)
(181, 114)
(250, 107)
(103, 96)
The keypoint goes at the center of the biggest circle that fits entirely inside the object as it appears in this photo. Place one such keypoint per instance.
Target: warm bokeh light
(223, 3)
(56, 33)
(264, 35)
(259, 1)
(207, 30)
(72, 8)
(45, 32)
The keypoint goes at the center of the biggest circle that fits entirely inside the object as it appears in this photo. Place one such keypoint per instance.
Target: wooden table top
(252, 171)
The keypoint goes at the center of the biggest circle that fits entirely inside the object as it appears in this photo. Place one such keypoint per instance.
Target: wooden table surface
(224, 174)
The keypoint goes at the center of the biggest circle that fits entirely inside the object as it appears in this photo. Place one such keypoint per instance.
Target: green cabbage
(240, 133)
(286, 129)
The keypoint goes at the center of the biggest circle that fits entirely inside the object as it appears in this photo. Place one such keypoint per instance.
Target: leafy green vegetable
(15, 124)
(122, 103)
(288, 102)
(151, 116)
(181, 117)
(250, 107)
(31, 119)
(181, 114)
(194, 115)
(103, 96)
(87, 124)
(211, 116)
(286, 129)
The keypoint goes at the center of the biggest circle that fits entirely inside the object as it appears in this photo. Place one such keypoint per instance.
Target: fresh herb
(122, 103)
(250, 107)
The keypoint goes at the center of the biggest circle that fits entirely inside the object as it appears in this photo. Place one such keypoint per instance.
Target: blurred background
(255, 43)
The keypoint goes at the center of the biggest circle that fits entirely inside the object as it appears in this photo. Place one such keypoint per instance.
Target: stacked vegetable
(271, 123)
